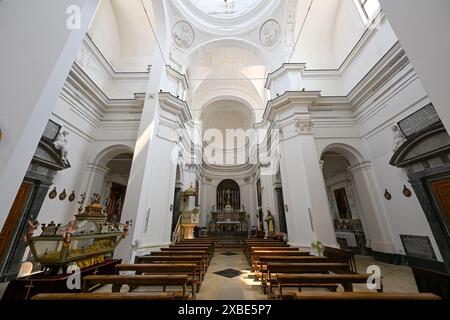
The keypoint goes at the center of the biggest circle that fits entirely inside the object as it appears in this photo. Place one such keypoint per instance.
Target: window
(368, 8)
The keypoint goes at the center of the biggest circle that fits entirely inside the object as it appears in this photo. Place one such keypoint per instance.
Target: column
(151, 185)
(38, 50)
(373, 214)
(427, 44)
(308, 215)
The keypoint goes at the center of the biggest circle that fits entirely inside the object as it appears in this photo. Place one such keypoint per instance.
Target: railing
(177, 233)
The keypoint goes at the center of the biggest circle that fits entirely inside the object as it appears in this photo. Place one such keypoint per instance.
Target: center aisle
(234, 281)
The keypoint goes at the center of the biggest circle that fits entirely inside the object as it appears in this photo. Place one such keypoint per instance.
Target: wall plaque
(418, 246)
(419, 120)
(51, 130)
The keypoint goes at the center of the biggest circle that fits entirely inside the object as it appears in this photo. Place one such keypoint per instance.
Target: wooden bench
(166, 253)
(306, 280)
(341, 255)
(269, 279)
(189, 269)
(261, 264)
(248, 250)
(189, 246)
(254, 258)
(200, 261)
(108, 296)
(133, 281)
(309, 295)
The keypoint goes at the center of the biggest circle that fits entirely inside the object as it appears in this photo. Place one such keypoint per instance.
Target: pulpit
(189, 213)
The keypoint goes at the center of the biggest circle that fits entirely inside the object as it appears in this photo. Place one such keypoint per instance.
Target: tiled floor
(216, 287)
(243, 286)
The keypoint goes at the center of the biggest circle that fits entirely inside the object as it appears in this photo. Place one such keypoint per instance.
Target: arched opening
(116, 185)
(108, 176)
(278, 187)
(345, 204)
(228, 194)
(177, 198)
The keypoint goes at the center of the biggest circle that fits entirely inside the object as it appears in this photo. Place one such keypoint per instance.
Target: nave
(195, 269)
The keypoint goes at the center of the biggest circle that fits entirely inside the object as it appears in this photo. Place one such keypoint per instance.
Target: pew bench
(269, 279)
(189, 269)
(133, 281)
(312, 280)
(117, 296)
(198, 260)
(166, 253)
(309, 295)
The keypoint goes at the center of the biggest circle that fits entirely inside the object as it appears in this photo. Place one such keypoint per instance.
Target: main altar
(228, 223)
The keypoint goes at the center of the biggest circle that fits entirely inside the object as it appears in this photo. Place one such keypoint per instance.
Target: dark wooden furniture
(429, 281)
(120, 296)
(117, 281)
(189, 269)
(26, 287)
(306, 280)
(309, 295)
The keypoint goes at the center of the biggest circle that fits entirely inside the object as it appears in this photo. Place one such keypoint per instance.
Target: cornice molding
(289, 99)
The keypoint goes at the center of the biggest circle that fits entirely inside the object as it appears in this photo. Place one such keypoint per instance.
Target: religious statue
(32, 225)
(228, 193)
(213, 208)
(270, 222)
(60, 143)
(398, 138)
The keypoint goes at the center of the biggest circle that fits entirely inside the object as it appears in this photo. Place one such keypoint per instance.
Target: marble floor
(243, 286)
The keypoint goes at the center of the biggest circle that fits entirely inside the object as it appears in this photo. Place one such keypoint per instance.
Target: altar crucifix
(228, 193)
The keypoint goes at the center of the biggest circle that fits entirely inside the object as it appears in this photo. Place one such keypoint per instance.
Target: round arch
(107, 154)
(350, 153)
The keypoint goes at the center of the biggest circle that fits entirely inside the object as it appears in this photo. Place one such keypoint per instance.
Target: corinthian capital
(303, 126)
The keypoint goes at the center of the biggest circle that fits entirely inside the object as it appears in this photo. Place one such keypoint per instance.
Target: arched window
(228, 193)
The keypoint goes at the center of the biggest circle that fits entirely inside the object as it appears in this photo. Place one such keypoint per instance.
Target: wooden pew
(259, 246)
(189, 269)
(342, 255)
(108, 296)
(305, 280)
(254, 258)
(261, 264)
(198, 260)
(182, 252)
(310, 295)
(190, 246)
(269, 279)
(117, 281)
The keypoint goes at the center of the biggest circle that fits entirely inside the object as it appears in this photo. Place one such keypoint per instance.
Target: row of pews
(181, 267)
(279, 266)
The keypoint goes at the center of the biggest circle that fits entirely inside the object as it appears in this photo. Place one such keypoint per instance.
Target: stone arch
(105, 155)
(353, 156)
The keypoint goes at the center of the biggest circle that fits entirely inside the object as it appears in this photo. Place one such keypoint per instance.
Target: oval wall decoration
(387, 195)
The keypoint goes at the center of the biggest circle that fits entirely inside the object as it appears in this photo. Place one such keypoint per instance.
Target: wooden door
(13, 219)
(441, 190)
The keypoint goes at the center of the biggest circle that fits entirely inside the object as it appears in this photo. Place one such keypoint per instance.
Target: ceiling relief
(270, 33)
(183, 34)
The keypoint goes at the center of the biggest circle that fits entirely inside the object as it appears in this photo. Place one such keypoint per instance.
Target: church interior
(224, 150)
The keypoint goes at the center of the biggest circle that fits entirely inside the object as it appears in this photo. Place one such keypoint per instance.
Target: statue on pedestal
(60, 144)
(270, 223)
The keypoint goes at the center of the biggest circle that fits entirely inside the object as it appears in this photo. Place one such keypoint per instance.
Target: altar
(228, 221)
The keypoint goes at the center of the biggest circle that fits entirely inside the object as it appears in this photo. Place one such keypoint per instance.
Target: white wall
(407, 96)
(422, 28)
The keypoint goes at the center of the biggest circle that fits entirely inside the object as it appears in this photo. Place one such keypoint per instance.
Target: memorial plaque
(418, 246)
(51, 130)
(419, 120)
